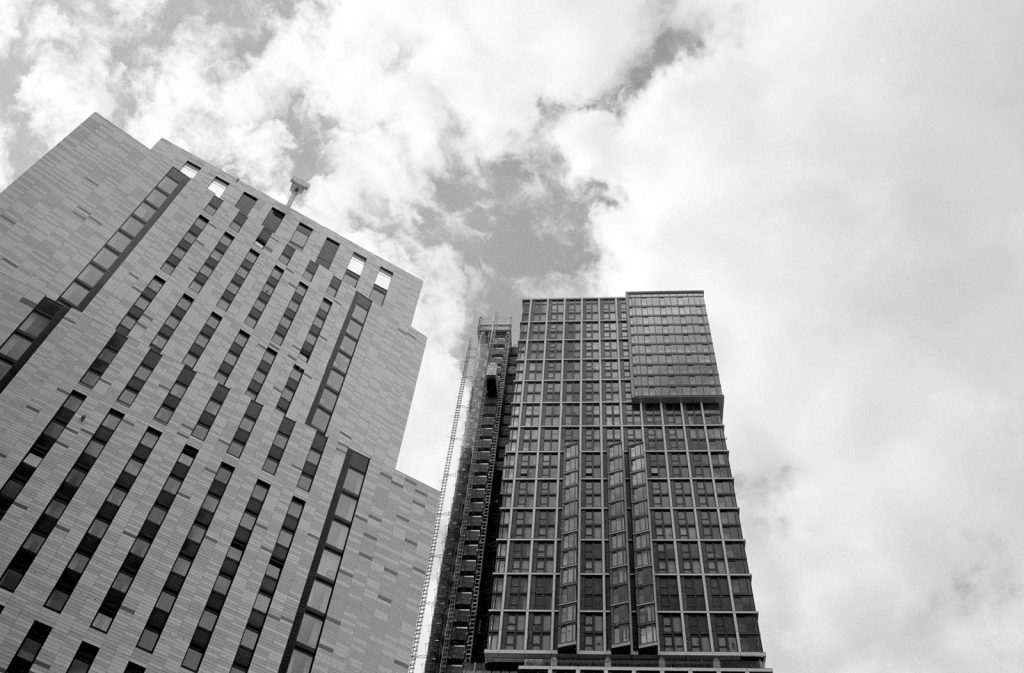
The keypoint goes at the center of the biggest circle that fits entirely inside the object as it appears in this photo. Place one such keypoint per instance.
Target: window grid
(105, 262)
(278, 446)
(183, 562)
(290, 386)
(83, 554)
(245, 426)
(264, 297)
(289, 315)
(261, 606)
(231, 358)
(211, 263)
(46, 522)
(175, 395)
(225, 577)
(115, 596)
(344, 350)
(202, 340)
(314, 329)
(312, 613)
(44, 442)
(237, 280)
(184, 245)
(210, 411)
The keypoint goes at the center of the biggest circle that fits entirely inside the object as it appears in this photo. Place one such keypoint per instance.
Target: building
(592, 522)
(203, 396)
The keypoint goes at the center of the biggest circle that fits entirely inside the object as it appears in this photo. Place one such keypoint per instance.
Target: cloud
(842, 181)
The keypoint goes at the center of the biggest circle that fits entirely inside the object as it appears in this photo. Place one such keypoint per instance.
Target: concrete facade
(110, 251)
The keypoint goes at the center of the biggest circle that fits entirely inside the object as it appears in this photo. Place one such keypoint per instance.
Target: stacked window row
(344, 350)
(165, 601)
(312, 613)
(83, 554)
(261, 605)
(225, 577)
(69, 486)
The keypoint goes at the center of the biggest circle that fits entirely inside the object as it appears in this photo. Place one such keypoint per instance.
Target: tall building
(203, 396)
(592, 523)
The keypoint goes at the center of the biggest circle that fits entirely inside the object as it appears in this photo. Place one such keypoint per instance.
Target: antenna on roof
(297, 187)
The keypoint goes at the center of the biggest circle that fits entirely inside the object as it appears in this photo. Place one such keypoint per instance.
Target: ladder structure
(457, 614)
(417, 659)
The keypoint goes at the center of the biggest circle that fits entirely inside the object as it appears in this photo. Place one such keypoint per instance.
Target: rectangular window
(231, 358)
(211, 263)
(236, 282)
(289, 315)
(264, 297)
(210, 412)
(217, 186)
(175, 395)
(244, 430)
(262, 370)
(184, 245)
(202, 340)
(356, 264)
(84, 657)
(27, 652)
(314, 329)
(278, 446)
(290, 386)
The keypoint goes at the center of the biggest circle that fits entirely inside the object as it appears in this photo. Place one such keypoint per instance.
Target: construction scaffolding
(452, 623)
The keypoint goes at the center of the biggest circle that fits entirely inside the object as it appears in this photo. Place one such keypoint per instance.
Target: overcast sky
(845, 181)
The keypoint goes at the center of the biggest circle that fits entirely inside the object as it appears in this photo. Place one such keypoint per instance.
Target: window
(356, 264)
(231, 357)
(245, 427)
(217, 186)
(29, 648)
(83, 658)
(190, 170)
(210, 412)
(290, 386)
(383, 280)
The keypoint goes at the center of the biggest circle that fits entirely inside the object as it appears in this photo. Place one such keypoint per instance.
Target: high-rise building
(203, 394)
(590, 520)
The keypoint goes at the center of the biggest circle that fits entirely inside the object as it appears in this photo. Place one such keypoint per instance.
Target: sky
(842, 179)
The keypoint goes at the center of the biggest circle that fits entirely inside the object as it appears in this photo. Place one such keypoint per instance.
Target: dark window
(290, 386)
(211, 263)
(83, 658)
(184, 245)
(231, 358)
(245, 427)
(264, 297)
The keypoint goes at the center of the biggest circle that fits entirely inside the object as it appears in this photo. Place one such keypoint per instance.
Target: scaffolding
(449, 602)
